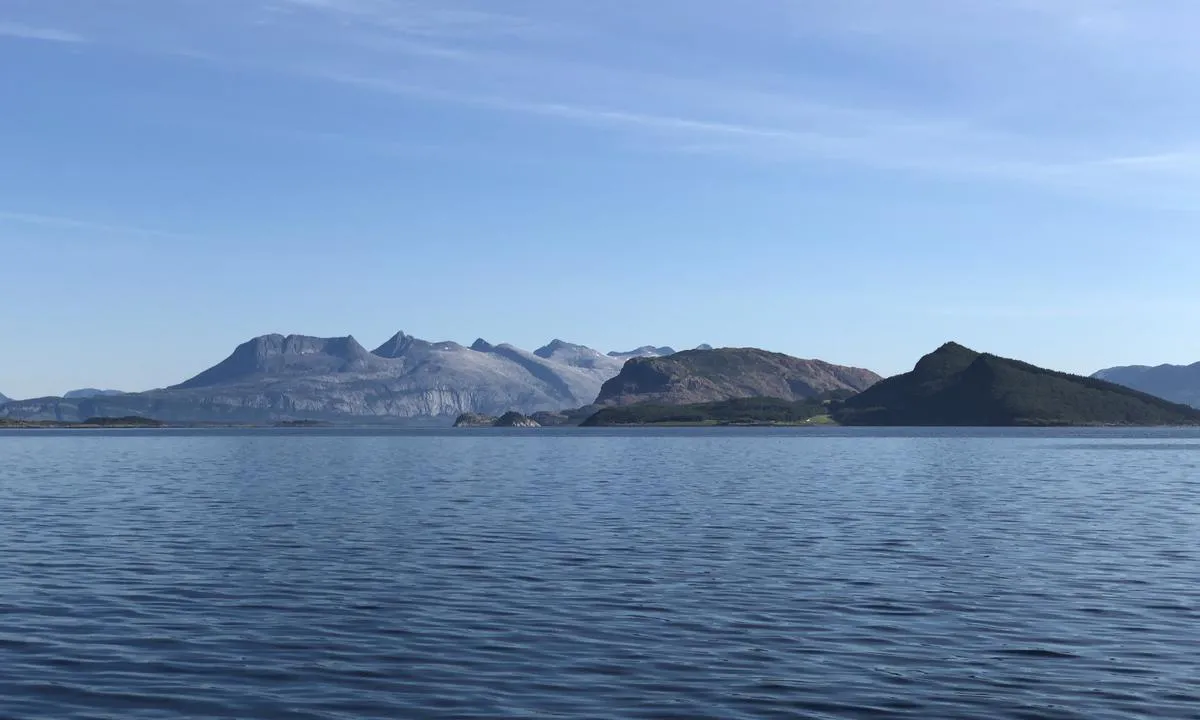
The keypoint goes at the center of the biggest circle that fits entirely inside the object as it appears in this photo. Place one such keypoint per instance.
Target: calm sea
(650, 574)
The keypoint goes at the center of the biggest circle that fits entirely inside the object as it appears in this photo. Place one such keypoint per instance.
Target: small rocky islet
(507, 420)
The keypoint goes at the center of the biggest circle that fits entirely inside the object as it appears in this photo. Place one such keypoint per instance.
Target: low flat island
(91, 423)
(747, 412)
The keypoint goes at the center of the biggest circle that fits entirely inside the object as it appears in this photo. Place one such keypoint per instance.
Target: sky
(857, 181)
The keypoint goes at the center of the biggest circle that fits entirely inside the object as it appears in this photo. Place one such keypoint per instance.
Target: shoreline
(147, 424)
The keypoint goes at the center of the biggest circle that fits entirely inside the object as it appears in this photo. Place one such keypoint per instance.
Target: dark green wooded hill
(961, 387)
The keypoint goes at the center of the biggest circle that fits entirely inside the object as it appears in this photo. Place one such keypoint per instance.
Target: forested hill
(955, 385)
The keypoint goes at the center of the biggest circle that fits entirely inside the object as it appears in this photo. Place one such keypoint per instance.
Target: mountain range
(276, 378)
(1178, 383)
(296, 377)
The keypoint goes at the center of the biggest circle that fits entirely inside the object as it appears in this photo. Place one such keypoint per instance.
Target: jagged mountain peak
(549, 348)
(402, 344)
(481, 345)
(578, 356)
(399, 345)
(559, 347)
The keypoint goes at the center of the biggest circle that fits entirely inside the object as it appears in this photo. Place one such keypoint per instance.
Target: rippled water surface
(717, 574)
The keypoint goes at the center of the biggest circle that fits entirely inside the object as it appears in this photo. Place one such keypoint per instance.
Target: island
(131, 422)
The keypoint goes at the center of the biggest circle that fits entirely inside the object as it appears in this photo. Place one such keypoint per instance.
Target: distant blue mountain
(1177, 383)
(87, 393)
(643, 351)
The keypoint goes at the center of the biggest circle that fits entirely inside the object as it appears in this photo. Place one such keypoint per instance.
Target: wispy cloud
(88, 226)
(1012, 89)
(1088, 96)
(446, 20)
(21, 31)
(785, 131)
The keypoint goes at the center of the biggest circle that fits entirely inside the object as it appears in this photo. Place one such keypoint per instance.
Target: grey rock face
(276, 378)
(53, 408)
(579, 356)
(590, 363)
(3, 398)
(572, 384)
(1177, 383)
(400, 345)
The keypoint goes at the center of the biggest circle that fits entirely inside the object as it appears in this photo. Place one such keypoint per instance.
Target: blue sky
(857, 181)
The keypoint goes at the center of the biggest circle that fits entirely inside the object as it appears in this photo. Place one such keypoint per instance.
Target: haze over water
(646, 574)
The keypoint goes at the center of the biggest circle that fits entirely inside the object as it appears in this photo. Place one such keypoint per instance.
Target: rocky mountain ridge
(296, 377)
